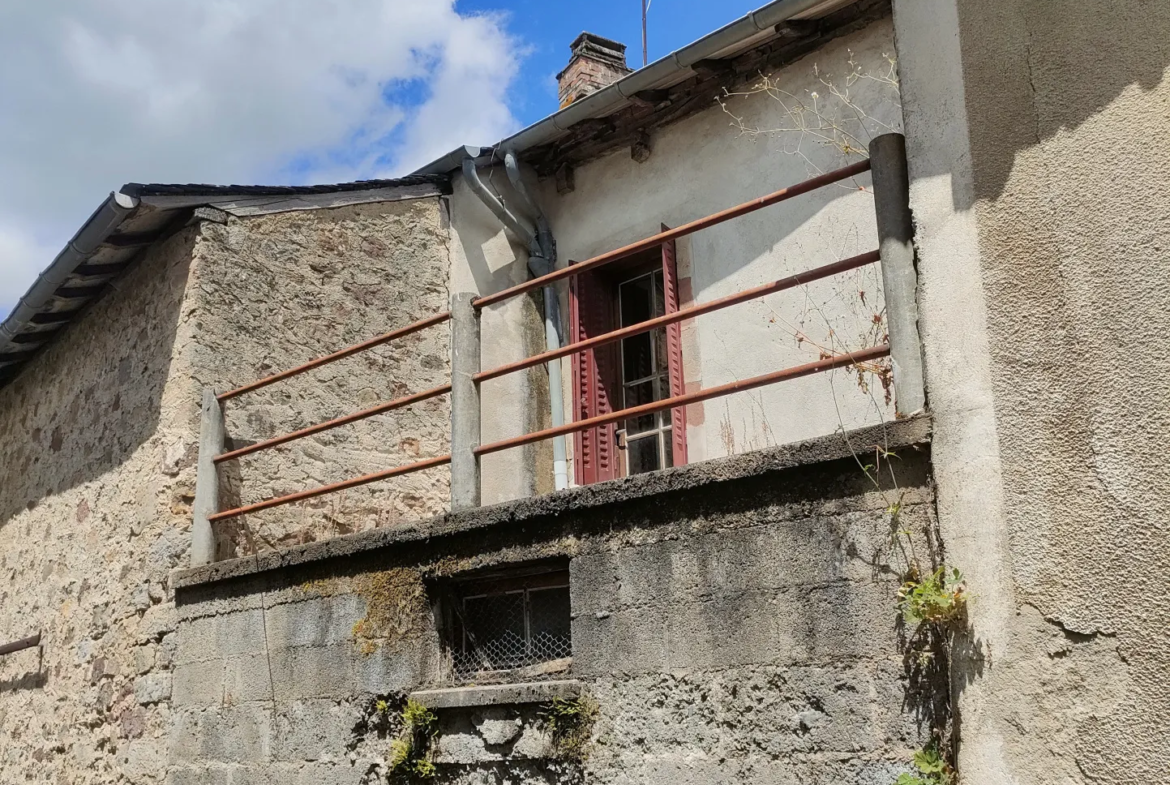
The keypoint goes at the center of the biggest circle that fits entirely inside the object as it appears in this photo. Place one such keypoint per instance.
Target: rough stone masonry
(95, 496)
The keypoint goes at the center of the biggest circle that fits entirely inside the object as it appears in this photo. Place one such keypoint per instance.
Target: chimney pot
(596, 62)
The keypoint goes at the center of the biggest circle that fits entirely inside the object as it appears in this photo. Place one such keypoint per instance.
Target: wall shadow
(1033, 71)
(92, 397)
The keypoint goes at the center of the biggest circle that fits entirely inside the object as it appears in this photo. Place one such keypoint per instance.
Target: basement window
(510, 626)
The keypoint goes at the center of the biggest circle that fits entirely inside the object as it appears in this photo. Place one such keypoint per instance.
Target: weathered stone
(152, 688)
(156, 622)
(496, 727)
(144, 659)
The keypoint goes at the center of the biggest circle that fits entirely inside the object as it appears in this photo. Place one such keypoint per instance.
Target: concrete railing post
(465, 413)
(891, 191)
(206, 481)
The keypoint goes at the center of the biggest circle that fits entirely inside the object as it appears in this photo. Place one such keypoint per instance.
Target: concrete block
(626, 642)
(328, 774)
(242, 632)
(313, 672)
(236, 734)
(195, 641)
(321, 621)
(199, 684)
(199, 775)
(386, 669)
(645, 573)
(314, 730)
(246, 677)
(593, 583)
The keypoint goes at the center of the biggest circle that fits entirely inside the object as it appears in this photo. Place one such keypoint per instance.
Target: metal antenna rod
(645, 51)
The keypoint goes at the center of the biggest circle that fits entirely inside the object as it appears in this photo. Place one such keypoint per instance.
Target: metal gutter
(613, 97)
(104, 221)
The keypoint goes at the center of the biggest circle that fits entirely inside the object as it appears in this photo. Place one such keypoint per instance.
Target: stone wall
(276, 291)
(96, 482)
(97, 468)
(734, 622)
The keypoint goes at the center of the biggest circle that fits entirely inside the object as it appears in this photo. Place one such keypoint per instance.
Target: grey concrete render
(894, 435)
(497, 694)
(733, 621)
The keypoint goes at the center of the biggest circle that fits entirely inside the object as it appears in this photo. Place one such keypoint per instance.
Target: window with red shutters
(595, 378)
(637, 370)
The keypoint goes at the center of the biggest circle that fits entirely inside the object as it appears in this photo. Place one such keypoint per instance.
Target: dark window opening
(510, 626)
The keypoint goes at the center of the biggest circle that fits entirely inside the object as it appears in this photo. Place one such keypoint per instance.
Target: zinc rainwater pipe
(539, 264)
(552, 316)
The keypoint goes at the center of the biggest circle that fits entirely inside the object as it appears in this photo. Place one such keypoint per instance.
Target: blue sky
(549, 27)
(273, 91)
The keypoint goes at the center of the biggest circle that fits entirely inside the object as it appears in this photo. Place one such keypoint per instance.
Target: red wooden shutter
(678, 416)
(594, 379)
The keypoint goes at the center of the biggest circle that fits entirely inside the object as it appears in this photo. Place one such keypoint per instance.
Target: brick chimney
(596, 62)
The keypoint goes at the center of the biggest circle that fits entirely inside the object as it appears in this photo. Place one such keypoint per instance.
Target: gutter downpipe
(100, 226)
(541, 257)
(552, 316)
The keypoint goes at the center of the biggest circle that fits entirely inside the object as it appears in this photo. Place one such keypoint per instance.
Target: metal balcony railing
(891, 194)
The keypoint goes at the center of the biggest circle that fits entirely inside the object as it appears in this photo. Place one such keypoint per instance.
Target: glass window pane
(495, 631)
(637, 357)
(667, 446)
(636, 301)
(549, 623)
(636, 395)
(642, 454)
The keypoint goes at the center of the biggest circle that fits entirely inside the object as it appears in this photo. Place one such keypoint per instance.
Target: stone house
(706, 593)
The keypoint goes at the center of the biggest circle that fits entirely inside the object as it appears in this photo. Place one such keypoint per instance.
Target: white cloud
(96, 93)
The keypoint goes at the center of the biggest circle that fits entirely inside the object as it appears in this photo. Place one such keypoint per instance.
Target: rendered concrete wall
(484, 260)
(701, 165)
(1042, 225)
(96, 482)
(734, 621)
(276, 291)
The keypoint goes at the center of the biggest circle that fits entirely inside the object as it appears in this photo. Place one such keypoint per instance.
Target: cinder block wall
(735, 621)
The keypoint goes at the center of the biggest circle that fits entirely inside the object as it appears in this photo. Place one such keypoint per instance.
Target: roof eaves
(620, 93)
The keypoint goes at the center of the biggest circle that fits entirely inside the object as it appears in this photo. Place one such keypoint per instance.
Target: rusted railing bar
(381, 408)
(790, 282)
(401, 332)
(680, 231)
(366, 479)
(26, 643)
(795, 372)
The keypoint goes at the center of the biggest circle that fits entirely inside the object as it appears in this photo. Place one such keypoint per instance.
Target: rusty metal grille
(510, 626)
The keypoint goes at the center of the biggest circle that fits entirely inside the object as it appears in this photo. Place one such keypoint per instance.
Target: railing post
(206, 480)
(891, 191)
(465, 413)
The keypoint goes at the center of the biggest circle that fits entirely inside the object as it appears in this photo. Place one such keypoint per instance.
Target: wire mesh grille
(509, 630)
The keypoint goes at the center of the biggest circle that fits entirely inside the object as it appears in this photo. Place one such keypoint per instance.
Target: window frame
(599, 453)
(452, 613)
